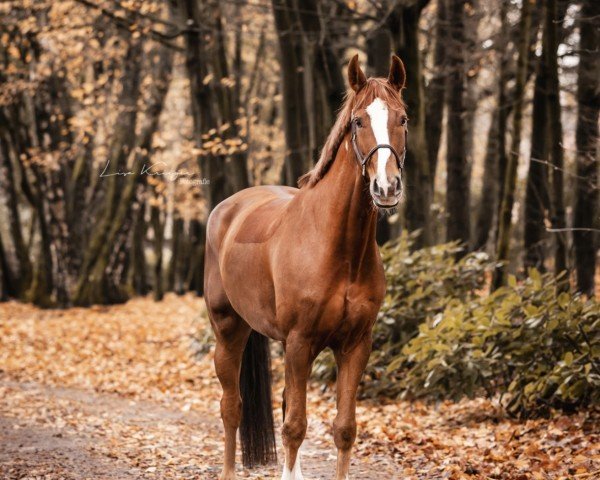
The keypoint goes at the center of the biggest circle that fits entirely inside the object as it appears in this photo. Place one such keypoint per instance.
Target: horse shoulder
(249, 216)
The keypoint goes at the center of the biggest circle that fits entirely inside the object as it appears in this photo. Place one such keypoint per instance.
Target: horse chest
(345, 318)
(353, 308)
(362, 302)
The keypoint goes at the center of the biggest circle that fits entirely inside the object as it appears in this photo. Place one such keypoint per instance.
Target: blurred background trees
(123, 123)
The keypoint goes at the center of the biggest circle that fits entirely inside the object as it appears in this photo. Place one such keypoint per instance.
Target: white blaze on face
(378, 112)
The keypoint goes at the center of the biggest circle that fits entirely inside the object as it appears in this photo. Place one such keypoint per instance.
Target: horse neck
(342, 211)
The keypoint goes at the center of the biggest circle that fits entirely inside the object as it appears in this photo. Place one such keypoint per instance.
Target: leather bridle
(363, 159)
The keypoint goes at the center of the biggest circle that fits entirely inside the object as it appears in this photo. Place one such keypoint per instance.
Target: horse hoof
(227, 476)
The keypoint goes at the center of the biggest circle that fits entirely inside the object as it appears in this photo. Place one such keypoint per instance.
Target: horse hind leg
(232, 334)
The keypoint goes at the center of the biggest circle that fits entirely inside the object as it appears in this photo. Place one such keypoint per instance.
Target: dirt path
(114, 393)
(134, 419)
(73, 433)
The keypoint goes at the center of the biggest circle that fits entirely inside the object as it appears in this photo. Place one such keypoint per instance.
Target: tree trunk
(586, 190)
(510, 178)
(7, 181)
(236, 165)
(379, 47)
(139, 282)
(174, 283)
(323, 80)
(207, 101)
(556, 136)
(295, 116)
(457, 186)
(503, 108)
(158, 230)
(472, 14)
(121, 145)
(6, 280)
(489, 188)
(404, 27)
(537, 202)
(195, 273)
(40, 290)
(436, 90)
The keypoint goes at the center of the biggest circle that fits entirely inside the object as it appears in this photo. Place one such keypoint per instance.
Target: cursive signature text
(151, 169)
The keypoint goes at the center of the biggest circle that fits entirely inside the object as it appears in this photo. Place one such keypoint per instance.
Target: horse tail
(257, 431)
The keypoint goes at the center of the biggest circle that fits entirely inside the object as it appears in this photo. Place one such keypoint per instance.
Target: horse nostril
(397, 184)
(376, 187)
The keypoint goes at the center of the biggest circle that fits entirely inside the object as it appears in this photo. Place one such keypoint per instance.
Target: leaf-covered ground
(115, 393)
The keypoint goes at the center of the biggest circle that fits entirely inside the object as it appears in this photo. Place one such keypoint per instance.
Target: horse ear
(356, 77)
(397, 76)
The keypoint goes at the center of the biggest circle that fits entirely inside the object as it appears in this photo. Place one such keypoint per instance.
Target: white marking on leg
(287, 474)
(295, 473)
(378, 112)
(299, 475)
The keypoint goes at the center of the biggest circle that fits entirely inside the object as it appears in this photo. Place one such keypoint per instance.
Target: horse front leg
(297, 370)
(351, 366)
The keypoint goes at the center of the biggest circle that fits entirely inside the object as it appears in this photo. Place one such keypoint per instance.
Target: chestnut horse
(302, 266)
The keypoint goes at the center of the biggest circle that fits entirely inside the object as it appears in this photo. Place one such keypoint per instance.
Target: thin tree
(489, 188)
(503, 109)
(552, 24)
(537, 201)
(510, 178)
(457, 185)
(295, 115)
(588, 108)
(436, 89)
(495, 157)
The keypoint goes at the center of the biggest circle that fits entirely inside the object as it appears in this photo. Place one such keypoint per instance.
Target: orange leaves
(213, 142)
(120, 386)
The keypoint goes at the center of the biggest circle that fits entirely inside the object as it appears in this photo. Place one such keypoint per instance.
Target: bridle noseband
(364, 159)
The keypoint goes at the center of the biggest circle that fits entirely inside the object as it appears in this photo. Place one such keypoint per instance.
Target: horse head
(379, 127)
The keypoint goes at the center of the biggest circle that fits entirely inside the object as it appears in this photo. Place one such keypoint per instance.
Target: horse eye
(358, 122)
(403, 121)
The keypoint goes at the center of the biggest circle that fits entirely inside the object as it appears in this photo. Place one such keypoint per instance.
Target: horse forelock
(374, 88)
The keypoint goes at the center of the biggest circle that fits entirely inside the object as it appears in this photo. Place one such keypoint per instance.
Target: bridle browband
(364, 159)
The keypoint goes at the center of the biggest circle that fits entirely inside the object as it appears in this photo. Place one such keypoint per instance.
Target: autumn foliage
(124, 122)
(115, 393)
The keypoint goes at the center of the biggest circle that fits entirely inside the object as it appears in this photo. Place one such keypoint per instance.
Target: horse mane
(374, 88)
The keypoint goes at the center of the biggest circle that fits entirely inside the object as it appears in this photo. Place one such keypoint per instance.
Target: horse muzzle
(389, 196)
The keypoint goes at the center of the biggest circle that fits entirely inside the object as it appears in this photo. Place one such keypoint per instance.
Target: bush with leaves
(420, 284)
(537, 348)
(439, 336)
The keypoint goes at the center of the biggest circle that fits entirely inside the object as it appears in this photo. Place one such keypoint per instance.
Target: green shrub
(420, 284)
(439, 335)
(536, 348)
